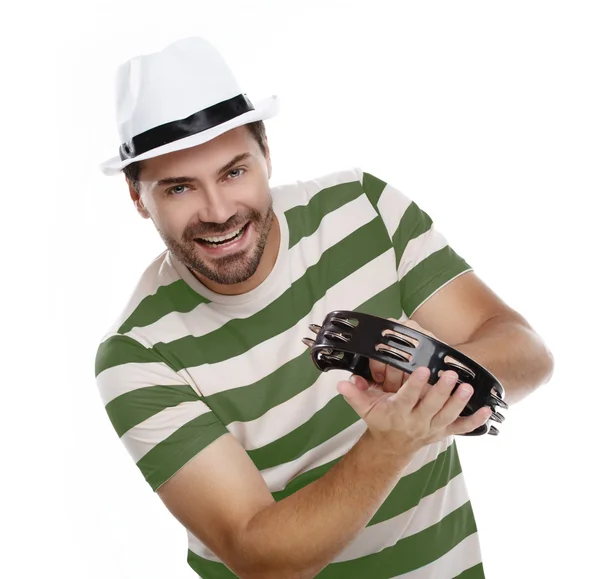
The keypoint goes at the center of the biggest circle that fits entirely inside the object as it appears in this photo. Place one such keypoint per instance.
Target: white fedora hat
(180, 97)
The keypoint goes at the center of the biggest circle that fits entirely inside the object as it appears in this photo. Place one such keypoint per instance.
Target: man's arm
(208, 481)
(222, 499)
(469, 316)
(227, 505)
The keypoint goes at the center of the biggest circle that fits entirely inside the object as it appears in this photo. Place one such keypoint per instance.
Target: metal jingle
(499, 401)
(497, 393)
(325, 365)
(314, 328)
(394, 336)
(308, 342)
(405, 343)
(493, 430)
(342, 321)
(497, 417)
(463, 368)
(334, 357)
(336, 336)
(393, 352)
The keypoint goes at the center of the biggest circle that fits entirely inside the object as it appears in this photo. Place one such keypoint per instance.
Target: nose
(215, 206)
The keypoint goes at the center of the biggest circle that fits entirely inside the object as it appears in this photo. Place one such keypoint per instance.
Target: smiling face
(212, 206)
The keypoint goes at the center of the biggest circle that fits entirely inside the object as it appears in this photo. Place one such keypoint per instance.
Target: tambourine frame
(347, 340)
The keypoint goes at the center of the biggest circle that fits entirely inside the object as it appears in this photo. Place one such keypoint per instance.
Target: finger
(464, 424)
(429, 386)
(362, 401)
(409, 394)
(454, 406)
(426, 388)
(394, 378)
(378, 371)
(438, 395)
(359, 382)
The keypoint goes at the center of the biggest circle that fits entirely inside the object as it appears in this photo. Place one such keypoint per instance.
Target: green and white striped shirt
(184, 365)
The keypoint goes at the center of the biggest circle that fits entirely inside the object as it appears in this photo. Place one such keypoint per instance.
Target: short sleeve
(424, 260)
(162, 421)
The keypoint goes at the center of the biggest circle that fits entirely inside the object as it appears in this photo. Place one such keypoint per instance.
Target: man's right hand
(222, 498)
(406, 420)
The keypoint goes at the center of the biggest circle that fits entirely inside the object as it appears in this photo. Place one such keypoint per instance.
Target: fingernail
(464, 392)
(378, 377)
(352, 379)
(421, 372)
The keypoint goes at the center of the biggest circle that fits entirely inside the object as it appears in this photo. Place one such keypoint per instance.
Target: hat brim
(265, 109)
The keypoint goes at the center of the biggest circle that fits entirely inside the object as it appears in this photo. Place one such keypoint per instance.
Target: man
(275, 469)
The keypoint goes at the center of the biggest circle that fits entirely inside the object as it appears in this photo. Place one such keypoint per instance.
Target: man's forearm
(298, 536)
(511, 350)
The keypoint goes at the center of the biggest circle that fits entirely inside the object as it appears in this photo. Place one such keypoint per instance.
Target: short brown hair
(257, 130)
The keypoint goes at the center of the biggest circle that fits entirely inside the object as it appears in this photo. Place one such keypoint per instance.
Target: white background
(485, 113)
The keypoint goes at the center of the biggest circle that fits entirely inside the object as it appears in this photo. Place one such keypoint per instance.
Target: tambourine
(347, 340)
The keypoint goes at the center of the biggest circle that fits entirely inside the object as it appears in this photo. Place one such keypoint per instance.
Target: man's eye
(235, 173)
(178, 189)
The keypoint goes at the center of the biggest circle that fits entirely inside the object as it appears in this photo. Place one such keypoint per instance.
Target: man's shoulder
(297, 191)
(150, 293)
(333, 178)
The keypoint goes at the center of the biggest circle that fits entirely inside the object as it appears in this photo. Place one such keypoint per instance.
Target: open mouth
(222, 240)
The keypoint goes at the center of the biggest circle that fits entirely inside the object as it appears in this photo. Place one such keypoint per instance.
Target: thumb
(360, 399)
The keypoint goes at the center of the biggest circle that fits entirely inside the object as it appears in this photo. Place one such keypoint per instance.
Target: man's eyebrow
(233, 162)
(174, 181)
(223, 169)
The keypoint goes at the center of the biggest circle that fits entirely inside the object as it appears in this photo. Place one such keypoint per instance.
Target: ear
(137, 201)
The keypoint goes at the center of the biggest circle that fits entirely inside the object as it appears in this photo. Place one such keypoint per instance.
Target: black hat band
(175, 130)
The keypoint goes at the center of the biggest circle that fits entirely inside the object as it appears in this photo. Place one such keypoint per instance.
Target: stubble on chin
(229, 269)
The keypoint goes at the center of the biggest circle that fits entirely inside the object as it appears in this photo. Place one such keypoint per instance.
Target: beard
(229, 269)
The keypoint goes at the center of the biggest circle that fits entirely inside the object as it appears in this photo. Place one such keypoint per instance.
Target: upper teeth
(222, 237)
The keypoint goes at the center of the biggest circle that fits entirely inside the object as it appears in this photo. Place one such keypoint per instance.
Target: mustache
(207, 229)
